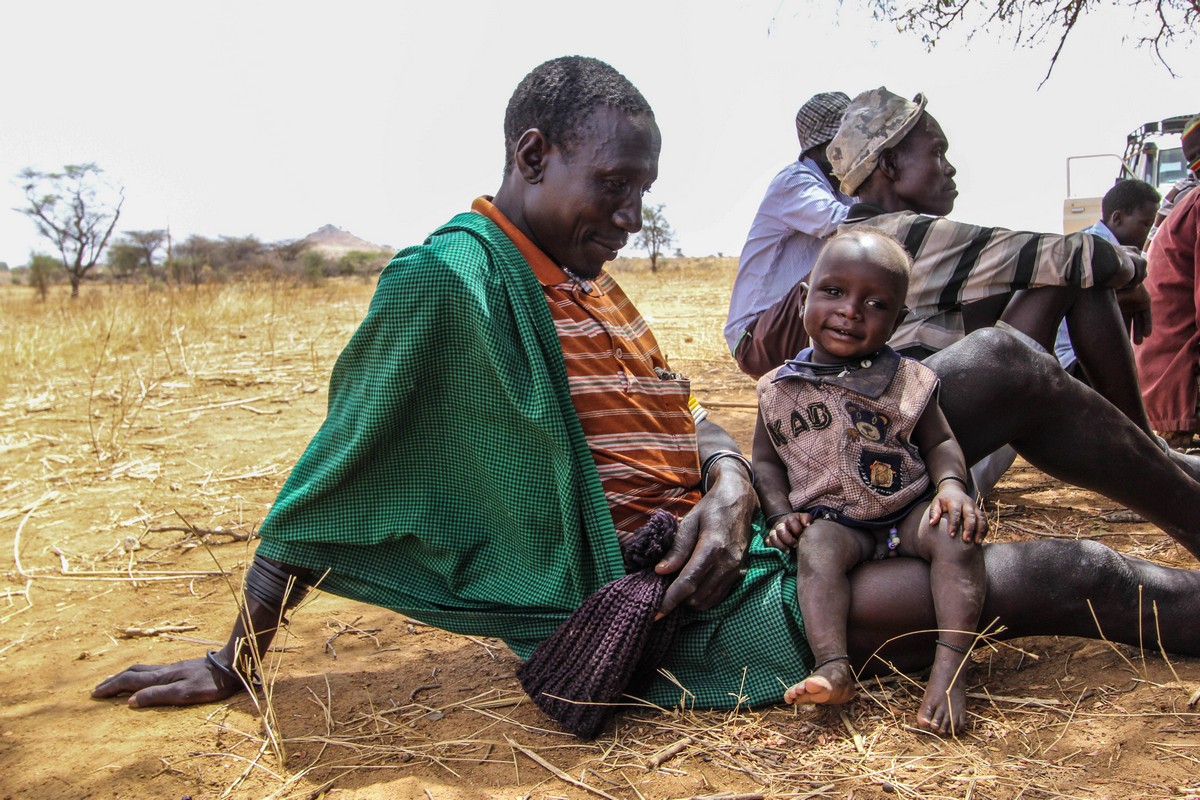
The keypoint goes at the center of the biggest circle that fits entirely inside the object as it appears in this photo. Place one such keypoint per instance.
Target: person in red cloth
(1168, 360)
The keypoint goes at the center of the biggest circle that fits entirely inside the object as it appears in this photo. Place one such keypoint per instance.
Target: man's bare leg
(1047, 587)
(1098, 335)
(1102, 345)
(996, 390)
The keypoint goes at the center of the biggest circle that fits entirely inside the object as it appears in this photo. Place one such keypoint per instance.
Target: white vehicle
(1153, 153)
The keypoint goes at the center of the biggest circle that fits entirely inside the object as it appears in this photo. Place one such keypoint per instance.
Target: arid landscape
(144, 433)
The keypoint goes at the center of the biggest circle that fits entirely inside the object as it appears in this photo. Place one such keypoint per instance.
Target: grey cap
(876, 120)
(818, 119)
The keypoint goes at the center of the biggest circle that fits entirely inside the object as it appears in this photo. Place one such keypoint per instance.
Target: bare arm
(774, 488)
(712, 539)
(207, 679)
(1135, 311)
(770, 475)
(947, 470)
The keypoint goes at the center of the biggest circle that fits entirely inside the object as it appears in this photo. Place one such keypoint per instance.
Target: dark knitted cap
(610, 644)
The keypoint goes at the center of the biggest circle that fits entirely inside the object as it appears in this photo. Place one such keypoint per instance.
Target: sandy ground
(132, 487)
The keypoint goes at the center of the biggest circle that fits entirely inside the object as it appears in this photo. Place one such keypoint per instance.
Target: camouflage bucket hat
(818, 119)
(875, 121)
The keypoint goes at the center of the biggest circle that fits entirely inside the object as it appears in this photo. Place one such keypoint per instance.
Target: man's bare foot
(944, 707)
(1188, 462)
(832, 683)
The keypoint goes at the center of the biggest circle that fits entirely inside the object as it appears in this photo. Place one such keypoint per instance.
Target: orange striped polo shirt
(638, 416)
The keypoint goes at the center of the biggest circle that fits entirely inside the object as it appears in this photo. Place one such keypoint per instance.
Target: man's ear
(1115, 219)
(888, 164)
(530, 155)
(899, 318)
(803, 296)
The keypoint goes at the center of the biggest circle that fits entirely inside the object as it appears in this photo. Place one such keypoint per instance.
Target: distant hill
(333, 241)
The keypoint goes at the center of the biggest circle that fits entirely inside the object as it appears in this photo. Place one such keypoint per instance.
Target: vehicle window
(1170, 167)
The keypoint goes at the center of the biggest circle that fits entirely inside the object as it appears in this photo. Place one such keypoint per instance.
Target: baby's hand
(787, 529)
(962, 515)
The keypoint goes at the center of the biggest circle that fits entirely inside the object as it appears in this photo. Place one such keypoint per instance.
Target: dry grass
(128, 349)
(97, 395)
(1044, 746)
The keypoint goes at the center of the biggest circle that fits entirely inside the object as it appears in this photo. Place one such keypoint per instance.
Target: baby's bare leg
(825, 553)
(958, 581)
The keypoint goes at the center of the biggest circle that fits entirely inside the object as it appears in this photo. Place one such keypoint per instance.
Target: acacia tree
(191, 259)
(76, 210)
(656, 234)
(124, 260)
(1152, 23)
(146, 244)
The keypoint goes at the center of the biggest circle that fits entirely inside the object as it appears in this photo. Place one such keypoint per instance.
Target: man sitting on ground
(892, 153)
(801, 209)
(503, 415)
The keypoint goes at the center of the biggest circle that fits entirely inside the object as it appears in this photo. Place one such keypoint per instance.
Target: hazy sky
(385, 118)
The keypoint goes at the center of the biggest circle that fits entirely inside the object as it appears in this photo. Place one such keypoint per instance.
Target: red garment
(1168, 360)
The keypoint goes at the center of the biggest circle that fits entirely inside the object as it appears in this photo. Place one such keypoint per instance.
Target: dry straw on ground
(143, 434)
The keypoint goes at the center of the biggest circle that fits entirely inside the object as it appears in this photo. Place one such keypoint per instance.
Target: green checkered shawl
(451, 480)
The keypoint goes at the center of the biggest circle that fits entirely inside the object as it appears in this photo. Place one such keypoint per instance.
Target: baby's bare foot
(944, 707)
(832, 683)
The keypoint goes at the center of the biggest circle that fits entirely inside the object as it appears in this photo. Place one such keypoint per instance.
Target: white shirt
(801, 208)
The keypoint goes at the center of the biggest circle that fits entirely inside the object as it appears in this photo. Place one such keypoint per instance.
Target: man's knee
(992, 359)
(1098, 566)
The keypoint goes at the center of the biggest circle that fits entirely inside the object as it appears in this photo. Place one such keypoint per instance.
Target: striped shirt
(956, 263)
(638, 415)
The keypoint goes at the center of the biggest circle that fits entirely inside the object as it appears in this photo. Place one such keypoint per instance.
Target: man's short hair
(1128, 196)
(557, 96)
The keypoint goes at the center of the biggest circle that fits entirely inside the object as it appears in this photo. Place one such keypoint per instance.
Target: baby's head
(854, 299)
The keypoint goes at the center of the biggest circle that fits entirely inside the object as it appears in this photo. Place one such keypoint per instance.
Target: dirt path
(198, 411)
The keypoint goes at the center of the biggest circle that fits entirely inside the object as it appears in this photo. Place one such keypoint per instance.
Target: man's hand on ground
(184, 683)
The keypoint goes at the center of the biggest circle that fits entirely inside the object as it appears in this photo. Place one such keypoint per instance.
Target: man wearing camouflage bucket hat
(880, 120)
(891, 152)
(801, 208)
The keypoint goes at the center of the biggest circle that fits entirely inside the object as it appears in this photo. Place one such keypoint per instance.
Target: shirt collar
(869, 381)
(812, 164)
(863, 211)
(1103, 231)
(547, 272)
